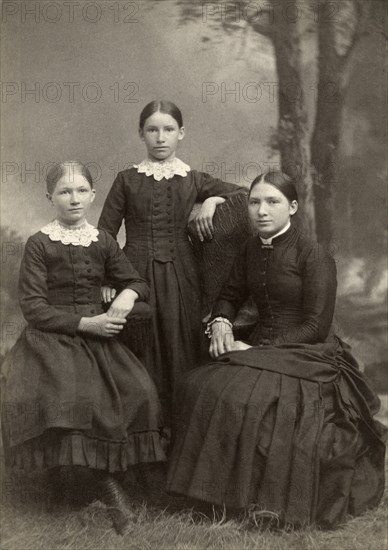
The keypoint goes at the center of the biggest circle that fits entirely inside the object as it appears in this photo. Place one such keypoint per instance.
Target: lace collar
(83, 235)
(165, 169)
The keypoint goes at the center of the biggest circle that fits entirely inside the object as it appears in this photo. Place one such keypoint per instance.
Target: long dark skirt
(178, 333)
(78, 401)
(288, 429)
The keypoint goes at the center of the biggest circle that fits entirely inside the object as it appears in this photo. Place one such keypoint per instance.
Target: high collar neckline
(270, 240)
(278, 239)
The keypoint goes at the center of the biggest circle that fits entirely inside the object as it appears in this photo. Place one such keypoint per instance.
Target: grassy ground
(155, 530)
(31, 527)
(28, 525)
(29, 521)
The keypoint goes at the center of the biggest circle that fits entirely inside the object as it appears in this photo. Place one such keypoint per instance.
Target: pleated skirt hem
(74, 448)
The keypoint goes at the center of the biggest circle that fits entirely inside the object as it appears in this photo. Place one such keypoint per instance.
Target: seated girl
(282, 423)
(74, 396)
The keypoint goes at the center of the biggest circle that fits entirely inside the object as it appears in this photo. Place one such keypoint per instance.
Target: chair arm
(215, 258)
(137, 332)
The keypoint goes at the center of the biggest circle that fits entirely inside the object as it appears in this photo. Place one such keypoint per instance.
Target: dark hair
(59, 170)
(282, 182)
(165, 107)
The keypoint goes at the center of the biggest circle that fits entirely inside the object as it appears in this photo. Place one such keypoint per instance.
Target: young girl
(155, 198)
(74, 395)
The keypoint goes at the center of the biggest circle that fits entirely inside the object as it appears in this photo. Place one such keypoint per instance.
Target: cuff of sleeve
(141, 289)
(68, 324)
(73, 325)
(223, 309)
(208, 330)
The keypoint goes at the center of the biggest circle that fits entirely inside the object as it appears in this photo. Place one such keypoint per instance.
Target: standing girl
(155, 199)
(74, 395)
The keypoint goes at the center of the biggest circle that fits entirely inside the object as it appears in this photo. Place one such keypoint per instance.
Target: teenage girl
(155, 199)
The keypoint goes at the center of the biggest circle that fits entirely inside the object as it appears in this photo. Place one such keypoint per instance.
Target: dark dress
(156, 214)
(73, 399)
(286, 425)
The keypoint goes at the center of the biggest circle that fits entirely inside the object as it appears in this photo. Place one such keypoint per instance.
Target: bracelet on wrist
(208, 330)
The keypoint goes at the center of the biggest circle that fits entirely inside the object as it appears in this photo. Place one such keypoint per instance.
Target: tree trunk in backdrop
(293, 139)
(338, 32)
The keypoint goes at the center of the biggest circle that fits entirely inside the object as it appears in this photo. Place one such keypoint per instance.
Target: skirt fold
(272, 491)
(249, 461)
(78, 401)
(56, 448)
(301, 493)
(305, 448)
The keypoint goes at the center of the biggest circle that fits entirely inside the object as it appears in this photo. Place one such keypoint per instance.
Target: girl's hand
(123, 304)
(102, 325)
(204, 218)
(107, 294)
(240, 346)
(222, 339)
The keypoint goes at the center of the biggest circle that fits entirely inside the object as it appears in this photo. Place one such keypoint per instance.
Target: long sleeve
(319, 286)
(115, 207)
(33, 294)
(120, 272)
(207, 186)
(235, 291)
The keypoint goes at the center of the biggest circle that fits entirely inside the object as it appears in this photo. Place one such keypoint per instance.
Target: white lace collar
(165, 169)
(83, 235)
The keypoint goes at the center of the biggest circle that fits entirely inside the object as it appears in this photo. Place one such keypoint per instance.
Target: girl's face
(72, 198)
(269, 210)
(161, 135)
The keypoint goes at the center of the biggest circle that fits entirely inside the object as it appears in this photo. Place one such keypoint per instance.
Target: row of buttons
(157, 187)
(162, 244)
(157, 196)
(264, 284)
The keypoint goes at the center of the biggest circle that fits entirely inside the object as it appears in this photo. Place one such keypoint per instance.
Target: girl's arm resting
(222, 339)
(208, 186)
(120, 272)
(33, 294)
(123, 304)
(232, 296)
(228, 307)
(319, 294)
(115, 206)
(101, 325)
(211, 192)
(234, 291)
(204, 218)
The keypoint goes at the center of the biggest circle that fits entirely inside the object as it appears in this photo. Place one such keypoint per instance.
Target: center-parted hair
(163, 106)
(69, 167)
(280, 181)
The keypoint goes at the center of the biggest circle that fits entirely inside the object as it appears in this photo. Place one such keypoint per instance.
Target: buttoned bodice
(61, 283)
(156, 213)
(167, 222)
(293, 283)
